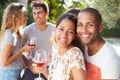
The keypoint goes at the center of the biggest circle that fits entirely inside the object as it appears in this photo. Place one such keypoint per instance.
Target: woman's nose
(64, 33)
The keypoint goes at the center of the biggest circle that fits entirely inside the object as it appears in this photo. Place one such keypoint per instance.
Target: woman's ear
(54, 30)
(101, 28)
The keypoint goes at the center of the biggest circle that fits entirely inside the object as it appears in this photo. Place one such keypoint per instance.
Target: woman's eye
(61, 29)
(71, 32)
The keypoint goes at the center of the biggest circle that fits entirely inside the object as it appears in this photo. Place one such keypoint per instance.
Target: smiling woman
(68, 59)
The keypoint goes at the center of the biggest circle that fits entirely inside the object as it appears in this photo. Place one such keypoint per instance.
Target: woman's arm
(78, 74)
(78, 71)
(7, 58)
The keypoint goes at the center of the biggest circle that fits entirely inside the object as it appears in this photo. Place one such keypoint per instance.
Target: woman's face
(65, 33)
(24, 18)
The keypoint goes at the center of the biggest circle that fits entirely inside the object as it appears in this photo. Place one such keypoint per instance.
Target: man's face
(39, 14)
(87, 29)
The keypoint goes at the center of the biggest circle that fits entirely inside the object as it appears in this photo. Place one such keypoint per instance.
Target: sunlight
(69, 2)
(90, 1)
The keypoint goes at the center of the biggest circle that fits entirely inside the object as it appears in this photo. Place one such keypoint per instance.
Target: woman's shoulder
(8, 31)
(75, 51)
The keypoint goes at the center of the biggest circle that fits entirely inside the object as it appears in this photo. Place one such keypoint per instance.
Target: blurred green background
(110, 10)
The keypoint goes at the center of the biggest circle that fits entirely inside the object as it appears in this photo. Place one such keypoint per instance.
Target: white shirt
(105, 63)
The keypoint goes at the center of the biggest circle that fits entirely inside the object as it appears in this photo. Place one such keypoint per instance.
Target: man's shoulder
(108, 46)
(29, 26)
(50, 24)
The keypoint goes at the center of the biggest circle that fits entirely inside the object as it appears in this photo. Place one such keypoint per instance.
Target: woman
(11, 59)
(67, 62)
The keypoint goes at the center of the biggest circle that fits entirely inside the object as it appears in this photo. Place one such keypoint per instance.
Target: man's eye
(79, 24)
(90, 25)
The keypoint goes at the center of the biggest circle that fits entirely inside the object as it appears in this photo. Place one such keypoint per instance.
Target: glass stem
(39, 75)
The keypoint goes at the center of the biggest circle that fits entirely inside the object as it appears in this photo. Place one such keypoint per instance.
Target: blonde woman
(11, 59)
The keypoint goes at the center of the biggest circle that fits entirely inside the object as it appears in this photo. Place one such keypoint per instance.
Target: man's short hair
(40, 3)
(94, 11)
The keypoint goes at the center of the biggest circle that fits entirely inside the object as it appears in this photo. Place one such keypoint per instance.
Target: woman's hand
(38, 69)
(27, 48)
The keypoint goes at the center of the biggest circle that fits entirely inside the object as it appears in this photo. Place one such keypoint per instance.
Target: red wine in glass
(32, 41)
(40, 59)
(40, 64)
(32, 44)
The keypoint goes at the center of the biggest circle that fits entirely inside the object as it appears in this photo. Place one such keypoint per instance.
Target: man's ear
(47, 14)
(101, 27)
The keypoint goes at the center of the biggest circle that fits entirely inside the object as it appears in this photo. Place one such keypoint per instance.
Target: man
(101, 59)
(41, 30)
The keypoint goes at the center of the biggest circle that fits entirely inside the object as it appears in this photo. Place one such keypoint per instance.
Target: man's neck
(94, 47)
(41, 26)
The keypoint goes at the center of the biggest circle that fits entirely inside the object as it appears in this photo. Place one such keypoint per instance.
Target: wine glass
(49, 57)
(40, 59)
(32, 42)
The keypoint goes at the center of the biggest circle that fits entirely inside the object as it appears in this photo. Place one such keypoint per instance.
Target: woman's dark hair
(69, 16)
(74, 11)
(76, 42)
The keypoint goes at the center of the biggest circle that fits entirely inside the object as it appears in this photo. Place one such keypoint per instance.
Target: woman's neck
(63, 50)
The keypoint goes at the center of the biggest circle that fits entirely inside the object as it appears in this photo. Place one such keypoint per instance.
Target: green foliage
(3, 5)
(1, 13)
(56, 9)
(110, 10)
(29, 14)
(77, 4)
(111, 32)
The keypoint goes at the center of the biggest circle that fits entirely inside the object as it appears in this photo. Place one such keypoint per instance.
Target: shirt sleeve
(76, 58)
(8, 38)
